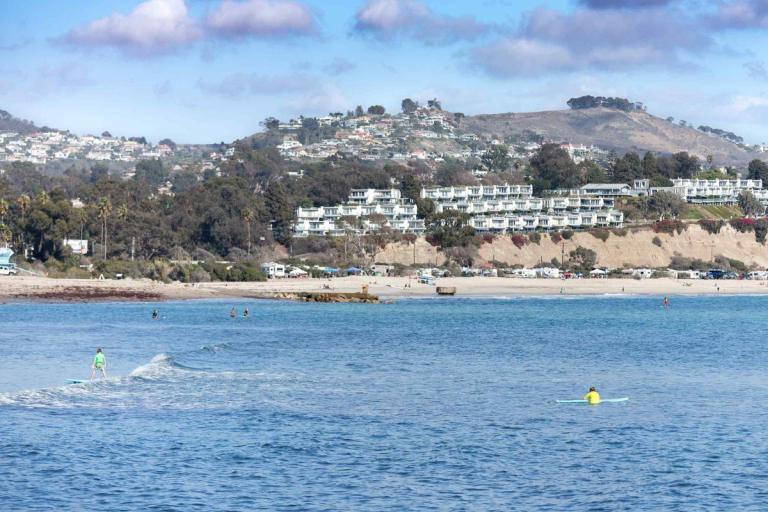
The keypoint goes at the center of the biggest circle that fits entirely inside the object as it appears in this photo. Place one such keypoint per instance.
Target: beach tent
(330, 271)
(297, 272)
(598, 273)
(354, 271)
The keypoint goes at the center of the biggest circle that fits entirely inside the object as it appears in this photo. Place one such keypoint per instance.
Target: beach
(13, 288)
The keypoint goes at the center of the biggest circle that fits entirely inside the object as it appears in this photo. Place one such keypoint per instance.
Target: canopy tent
(354, 271)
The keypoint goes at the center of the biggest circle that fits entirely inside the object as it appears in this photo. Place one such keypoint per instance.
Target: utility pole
(562, 255)
(133, 246)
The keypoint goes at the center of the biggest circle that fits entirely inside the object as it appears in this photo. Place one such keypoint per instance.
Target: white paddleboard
(603, 401)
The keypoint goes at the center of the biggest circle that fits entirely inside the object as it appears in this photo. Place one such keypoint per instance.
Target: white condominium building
(718, 191)
(367, 210)
(477, 193)
(513, 207)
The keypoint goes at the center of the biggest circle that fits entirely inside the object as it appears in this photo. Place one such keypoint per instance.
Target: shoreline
(42, 289)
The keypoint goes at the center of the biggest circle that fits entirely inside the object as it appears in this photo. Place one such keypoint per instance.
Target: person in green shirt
(99, 364)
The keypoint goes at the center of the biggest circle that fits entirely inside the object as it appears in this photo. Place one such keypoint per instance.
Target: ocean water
(432, 404)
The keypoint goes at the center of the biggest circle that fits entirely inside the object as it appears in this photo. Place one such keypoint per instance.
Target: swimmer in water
(232, 313)
(593, 397)
(246, 313)
(155, 314)
(666, 303)
(99, 364)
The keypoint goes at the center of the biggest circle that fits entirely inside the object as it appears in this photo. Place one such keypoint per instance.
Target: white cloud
(261, 18)
(389, 19)
(153, 27)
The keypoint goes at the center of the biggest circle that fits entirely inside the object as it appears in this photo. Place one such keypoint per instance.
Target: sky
(203, 71)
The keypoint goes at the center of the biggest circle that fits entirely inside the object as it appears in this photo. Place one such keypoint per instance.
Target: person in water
(232, 313)
(99, 364)
(155, 314)
(246, 313)
(666, 303)
(593, 397)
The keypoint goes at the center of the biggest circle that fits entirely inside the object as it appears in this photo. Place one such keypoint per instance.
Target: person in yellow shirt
(593, 397)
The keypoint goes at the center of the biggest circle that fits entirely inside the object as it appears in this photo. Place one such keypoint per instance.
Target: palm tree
(5, 234)
(3, 210)
(42, 197)
(248, 218)
(24, 202)
(105, 208)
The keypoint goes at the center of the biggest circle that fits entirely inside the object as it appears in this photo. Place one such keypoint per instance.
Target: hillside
(636, 249)
(610, 129)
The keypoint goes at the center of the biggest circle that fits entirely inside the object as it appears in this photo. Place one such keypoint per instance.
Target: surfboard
(603, 401)
(76, 381)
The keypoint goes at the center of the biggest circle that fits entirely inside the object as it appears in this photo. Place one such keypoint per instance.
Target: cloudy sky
(211, 70)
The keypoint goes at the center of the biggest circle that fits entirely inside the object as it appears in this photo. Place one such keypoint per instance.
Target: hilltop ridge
(610, 128)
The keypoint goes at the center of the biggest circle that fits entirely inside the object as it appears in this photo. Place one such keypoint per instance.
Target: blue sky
(211, 70)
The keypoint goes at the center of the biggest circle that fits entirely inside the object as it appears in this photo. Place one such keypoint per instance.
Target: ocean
(424, 404)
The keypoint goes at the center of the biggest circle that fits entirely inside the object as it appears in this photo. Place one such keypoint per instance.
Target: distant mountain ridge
(613, 129)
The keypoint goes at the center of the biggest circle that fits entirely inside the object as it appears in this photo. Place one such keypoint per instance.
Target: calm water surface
(420, 405)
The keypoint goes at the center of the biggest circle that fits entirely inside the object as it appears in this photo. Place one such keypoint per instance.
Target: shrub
(711, 226)
(535, 238)
(556, 237)
(761, 229)
(567, 234)
(520, 241)
(199, 275)
(619, 231)
(669, 227)
(600, 234)
(488, 238)
(743, 225)
(683, 263)
(656, 241)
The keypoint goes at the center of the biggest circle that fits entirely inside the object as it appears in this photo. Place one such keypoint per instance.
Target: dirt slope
(611, 129)
(636, 249)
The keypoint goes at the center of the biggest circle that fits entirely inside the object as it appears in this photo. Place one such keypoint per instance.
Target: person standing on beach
(99, 364)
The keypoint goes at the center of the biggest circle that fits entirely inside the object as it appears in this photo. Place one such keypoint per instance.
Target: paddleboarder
(99, 364)
(593, 397)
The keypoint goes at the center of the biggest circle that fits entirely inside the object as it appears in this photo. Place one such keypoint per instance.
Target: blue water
(419, 405)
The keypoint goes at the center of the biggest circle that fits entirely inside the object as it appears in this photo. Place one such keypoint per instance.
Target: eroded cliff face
(636, 249)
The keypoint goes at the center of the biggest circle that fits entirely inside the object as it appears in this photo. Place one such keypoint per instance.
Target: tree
(758, 170)
(248, 217)
(457, 117)
(3, 210)
(583, 259)
(359, 112)
(650, 167)
(627, 168)
(496, 158)
(554, 168)
(664, 204)
(435, 104)
(270, 124)
(104, 208)
(376, 110)
(409, 106)
(450, 229)
(280, 211)
(750, 205)
(169, 143)
(153, 172)
(106, 135)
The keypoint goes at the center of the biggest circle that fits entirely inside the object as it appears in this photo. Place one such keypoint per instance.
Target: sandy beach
(39, 288)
